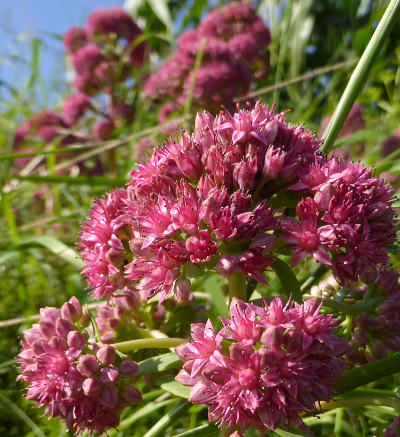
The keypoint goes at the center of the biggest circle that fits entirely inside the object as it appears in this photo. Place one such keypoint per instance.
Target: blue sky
(23, 20)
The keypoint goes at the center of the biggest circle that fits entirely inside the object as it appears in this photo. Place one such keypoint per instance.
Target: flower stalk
(237, 287)
(359, 76)
(370, 372)
(361, 401)
(149, 343)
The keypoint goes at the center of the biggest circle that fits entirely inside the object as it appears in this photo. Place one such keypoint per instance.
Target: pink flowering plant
(244, 280)
(228, 200)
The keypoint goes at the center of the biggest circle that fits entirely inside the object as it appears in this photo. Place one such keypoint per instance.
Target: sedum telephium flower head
(75, 378)
(235, 54)
(265, 366)
(221, 198)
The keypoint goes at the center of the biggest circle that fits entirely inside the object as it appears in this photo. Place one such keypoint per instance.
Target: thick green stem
(149, 343)
(370, 372)
(237, 287)
(359, 76)
(365, 306)
(361, 401)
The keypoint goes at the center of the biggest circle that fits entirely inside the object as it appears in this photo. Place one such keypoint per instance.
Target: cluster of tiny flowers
(74, 378)
(325, 289)
(378, 332)
(217, 199)
(103, 55)
(235, 54)
(104, 52)
(266, 366)
(45, 126)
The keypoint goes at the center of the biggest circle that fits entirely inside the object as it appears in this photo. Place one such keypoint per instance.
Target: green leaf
(167, 420)
(209, 430)
(161, 10)
(214, 285)
(56, 246)
(9, 405)
(288, 280)
(146, 411)
(159, 363)
(176, 388)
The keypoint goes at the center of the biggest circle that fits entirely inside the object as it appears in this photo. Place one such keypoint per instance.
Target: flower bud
(91, 387)
(109, 375)
(71, 310)
(37, 346)
(182, 290)
(85, 319)
(115, 257)
(49, 314)
(87, 365)
(130, 301)
(106, 355)
(63, 327)
(109, 397)
(108, 337)
(131, 395)
(129, 368)
(76, 340)
(273, 162)
(227, 265)
(159, 313)
(48, 328)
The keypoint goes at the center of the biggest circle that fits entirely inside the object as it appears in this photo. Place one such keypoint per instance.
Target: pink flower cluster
(235, 54)
(350, 214)
(206, 200)
(104, 54)
(96, 50)
(45, 126)
(74, 378)
(266, 366)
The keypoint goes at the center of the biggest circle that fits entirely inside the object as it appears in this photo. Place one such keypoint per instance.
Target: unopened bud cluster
(74, 378)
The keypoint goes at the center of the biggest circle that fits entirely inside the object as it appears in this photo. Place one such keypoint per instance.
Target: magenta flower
(105, 22)
(207, 200)
(75, 380)
(74, 39)
(234, 56)
(305, 235)
(281, 361)
(74, 107)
